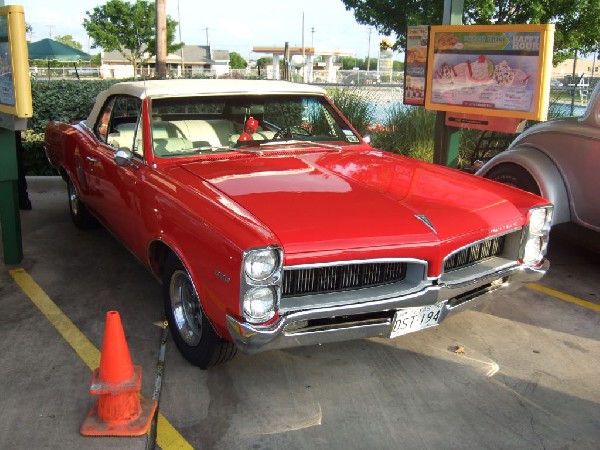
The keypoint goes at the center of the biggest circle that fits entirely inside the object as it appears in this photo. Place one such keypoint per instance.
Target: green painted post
(10, 219)
(446, 139)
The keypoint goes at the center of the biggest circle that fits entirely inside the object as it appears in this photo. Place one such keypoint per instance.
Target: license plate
(407, 320)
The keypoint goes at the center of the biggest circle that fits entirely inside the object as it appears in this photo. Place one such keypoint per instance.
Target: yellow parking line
(563, 296)
(167, 436)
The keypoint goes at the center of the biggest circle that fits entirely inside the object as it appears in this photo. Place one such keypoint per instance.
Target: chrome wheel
(185, 307)
(73, 200)
(192, 332)
(80, 215)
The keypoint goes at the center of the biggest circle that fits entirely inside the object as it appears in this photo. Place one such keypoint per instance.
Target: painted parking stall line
(564, 297)
(167, 436)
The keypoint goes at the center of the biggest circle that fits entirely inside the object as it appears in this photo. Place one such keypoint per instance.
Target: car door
(582, 177)
(114, 190)
(577, 155)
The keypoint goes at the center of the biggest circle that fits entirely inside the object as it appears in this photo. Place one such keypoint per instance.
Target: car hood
(328, 201)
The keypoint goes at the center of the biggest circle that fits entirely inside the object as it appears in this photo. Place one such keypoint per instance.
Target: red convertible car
(272, 224)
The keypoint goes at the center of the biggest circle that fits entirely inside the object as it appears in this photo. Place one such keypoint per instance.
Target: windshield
(188, 125)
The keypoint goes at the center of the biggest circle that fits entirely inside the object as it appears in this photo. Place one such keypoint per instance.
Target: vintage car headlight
(532, 253)
(260, 264)
(260, 304)
(535, 239)
(260, 288)
(539, 220)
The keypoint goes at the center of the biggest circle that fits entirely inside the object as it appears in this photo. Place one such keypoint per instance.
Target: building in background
(190, 61)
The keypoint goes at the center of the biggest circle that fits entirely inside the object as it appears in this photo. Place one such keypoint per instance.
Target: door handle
(90, 159)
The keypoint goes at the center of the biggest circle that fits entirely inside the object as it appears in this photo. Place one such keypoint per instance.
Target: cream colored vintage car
(558, 160)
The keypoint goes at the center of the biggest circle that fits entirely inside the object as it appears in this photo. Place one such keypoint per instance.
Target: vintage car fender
(171, 224)
(544, 172)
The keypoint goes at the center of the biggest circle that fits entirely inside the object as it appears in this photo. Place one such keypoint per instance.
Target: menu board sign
(415, 65)
(496, 70)
(15, 85)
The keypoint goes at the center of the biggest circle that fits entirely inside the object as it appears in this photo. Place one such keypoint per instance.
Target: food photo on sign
(499, 81)
(490, 67)
(415, 65)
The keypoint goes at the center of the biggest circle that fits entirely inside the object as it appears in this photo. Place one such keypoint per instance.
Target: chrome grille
(318, 280)
(474, 253)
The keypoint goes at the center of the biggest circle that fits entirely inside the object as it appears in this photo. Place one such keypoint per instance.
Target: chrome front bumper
(358, 321)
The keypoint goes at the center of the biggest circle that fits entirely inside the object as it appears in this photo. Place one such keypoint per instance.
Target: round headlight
(259, 304)
(260, 264)
(533, 250)
(537, 221)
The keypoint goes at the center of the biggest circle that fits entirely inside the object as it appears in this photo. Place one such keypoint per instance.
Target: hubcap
(186, 308)
(73, 200)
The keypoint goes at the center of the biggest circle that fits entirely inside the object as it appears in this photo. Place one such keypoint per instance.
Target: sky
(234, 25)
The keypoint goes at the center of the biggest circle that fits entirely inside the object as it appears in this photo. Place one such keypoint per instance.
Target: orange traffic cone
(119, 410)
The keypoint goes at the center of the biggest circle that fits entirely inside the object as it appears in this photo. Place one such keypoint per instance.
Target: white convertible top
(182, 88)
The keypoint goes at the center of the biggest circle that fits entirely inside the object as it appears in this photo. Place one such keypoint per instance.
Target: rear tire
(80, 215)
(192, 332)
(514, 175)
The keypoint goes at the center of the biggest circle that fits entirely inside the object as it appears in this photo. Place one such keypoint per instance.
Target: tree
(576, 21)
(236, 61)
(264, 61)
(129, 29)
(28, 31)
(349, 63)
(67, 39)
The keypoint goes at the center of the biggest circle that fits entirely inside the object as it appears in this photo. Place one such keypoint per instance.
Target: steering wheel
(289, 132)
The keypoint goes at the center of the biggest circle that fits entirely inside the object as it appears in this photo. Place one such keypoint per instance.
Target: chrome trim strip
(358, 261)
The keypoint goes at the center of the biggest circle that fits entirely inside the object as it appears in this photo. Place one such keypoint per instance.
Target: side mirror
(124, 157)
(367, 138)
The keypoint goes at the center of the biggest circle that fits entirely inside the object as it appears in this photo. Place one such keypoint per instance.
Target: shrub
(408, 131)
(64, 100)
(356, 107)
(34, 158)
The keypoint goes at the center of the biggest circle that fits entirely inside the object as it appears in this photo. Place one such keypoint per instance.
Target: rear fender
(544, 172)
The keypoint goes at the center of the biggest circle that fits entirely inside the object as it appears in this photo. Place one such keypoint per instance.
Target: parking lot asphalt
(525, 374)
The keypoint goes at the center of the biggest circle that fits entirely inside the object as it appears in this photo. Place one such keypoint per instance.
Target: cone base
(94, 426)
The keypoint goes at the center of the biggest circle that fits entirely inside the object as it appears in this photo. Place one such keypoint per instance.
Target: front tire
(80, 215)
(192, 332)
(514, 175)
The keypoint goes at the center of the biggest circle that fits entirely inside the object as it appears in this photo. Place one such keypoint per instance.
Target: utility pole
(50, 30)
(161, 39)
(303, 52)
(369, 51)
(180, 40)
